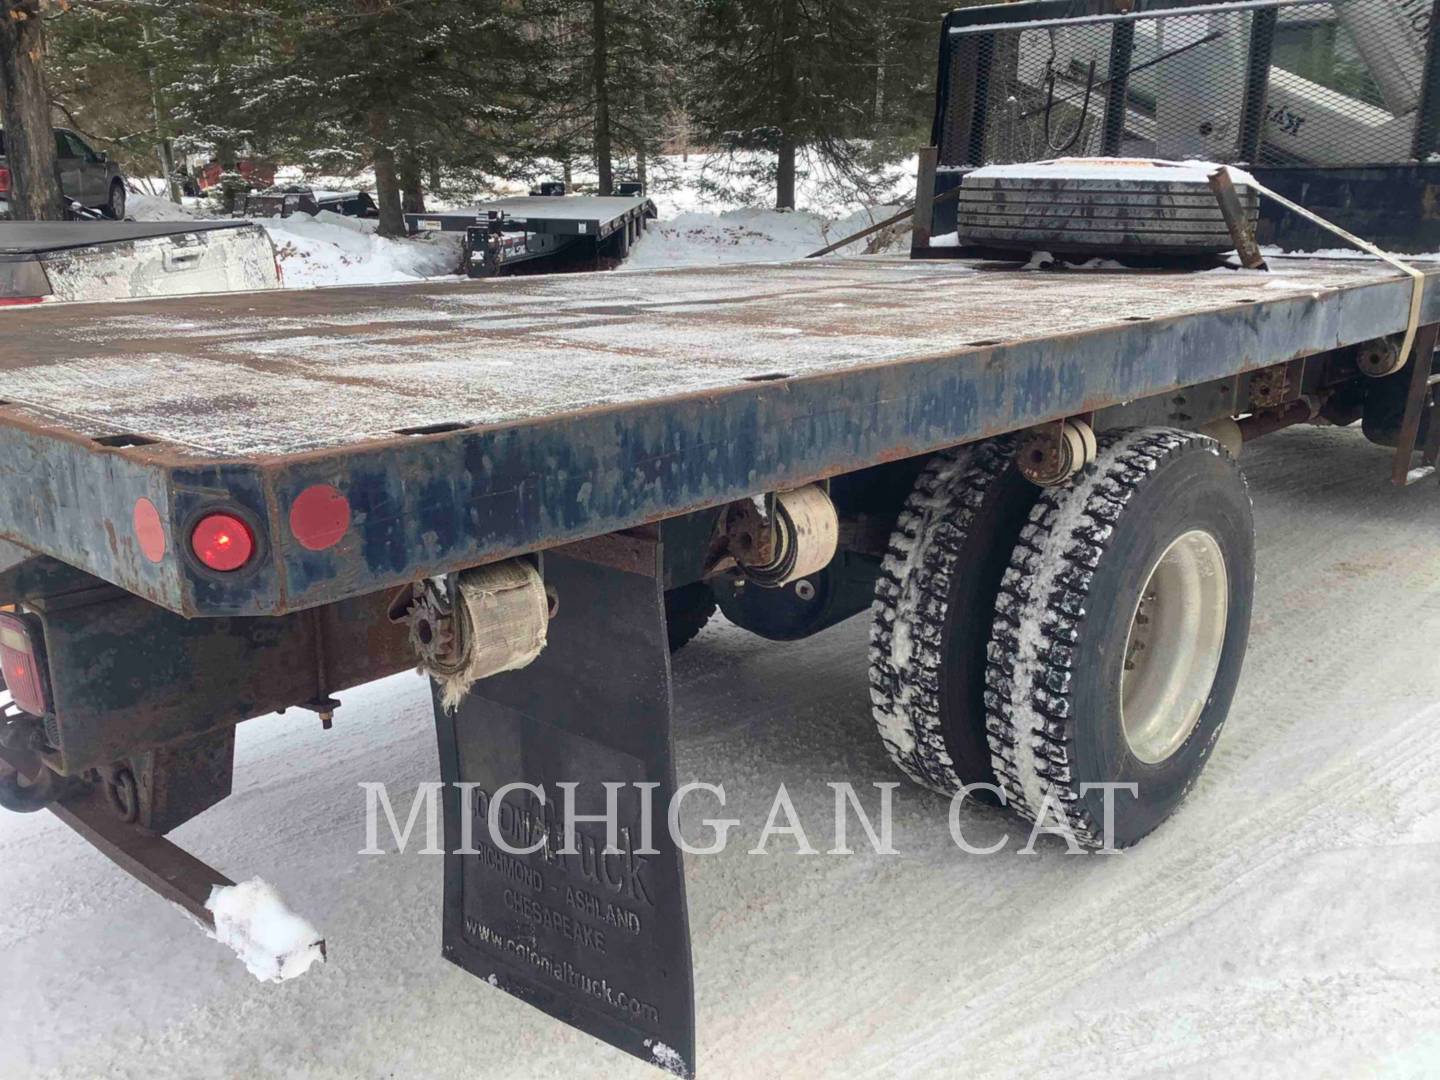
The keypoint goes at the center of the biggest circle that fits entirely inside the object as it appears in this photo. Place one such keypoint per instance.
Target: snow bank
(143, 207)
(697, 227)
(331, 249)
(679, 185)
(695, 238)
(328, 249)
(275, 944)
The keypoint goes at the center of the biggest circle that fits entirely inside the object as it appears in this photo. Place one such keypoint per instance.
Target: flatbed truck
(362, 441)
(219, 507)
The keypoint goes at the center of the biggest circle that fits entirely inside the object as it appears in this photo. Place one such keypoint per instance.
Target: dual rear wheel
(1047, 643)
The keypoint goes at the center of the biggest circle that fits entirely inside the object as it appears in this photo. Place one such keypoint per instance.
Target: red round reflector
(320, 517)
(222, 542)
(149, 531)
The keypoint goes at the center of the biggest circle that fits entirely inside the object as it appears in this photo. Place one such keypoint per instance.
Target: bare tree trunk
(603, 150)
(786, 151)
(165, 153)
(785, 174)
(644, 127)
(412, 192)
(387, 185)
(164, 150)
(882, 52)
(29, 145)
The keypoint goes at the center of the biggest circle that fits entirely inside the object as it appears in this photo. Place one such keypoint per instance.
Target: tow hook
(27, 784)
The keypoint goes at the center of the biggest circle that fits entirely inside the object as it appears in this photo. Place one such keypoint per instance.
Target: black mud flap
(600, 941)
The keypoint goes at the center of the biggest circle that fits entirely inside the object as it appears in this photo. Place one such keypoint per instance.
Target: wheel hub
(1177, 635)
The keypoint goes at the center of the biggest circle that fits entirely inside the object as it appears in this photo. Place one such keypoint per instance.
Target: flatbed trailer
(441, 221)
(541, 230)
(368, 448)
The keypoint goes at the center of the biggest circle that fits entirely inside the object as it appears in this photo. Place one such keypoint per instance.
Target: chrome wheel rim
(1172, 654)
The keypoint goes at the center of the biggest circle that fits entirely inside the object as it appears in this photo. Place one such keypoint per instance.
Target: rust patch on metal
(632, 551)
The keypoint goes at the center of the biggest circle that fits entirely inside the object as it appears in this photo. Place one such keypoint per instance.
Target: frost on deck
(287, 372)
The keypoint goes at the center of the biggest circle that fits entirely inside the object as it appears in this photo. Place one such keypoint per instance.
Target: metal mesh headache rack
(1340, 95)
(1269, 82)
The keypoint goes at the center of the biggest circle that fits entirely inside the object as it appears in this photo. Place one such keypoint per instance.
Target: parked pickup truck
(88, 177)
(538, 488)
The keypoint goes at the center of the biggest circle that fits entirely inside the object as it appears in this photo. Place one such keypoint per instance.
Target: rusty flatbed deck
(467, 421)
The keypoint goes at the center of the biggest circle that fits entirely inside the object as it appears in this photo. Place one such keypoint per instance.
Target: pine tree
(111, 68)
(500, 87)
(339, 85)
(601, 80)
(779, 76)
(907, 33)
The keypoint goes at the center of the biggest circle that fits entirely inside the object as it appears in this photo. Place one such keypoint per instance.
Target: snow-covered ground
(330, 249)
(1284, 924)
(697, 238)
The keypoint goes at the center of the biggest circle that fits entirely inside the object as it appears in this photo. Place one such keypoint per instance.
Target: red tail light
(222, 542)
(320, 517)
(23, 663)
(4, 180)
(16, 301)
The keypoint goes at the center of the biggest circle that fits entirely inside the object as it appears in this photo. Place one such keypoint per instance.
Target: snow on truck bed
(286, 372)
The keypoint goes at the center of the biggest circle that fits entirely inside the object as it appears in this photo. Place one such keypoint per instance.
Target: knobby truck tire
(687, 610)
(934, 605)
(1063, 619)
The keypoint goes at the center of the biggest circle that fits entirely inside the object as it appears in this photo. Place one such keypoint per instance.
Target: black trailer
(283, 202)
(441, 221)
(542, 232)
